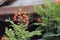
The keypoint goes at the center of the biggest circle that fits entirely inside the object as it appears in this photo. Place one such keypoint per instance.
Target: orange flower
(18, 23)
(16, 13)
(19, 17)
(23, 20)
(14, 19)
(38, 20)
(58, 1)
(24, 13)
(25, 17)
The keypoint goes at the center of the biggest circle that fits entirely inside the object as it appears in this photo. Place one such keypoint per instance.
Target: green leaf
(58, 30)
(48, 34)
(57, 19)
(39, 9)
(34, 33)
(10, 32)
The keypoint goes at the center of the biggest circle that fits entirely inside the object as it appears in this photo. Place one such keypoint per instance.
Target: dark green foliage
(50, 19)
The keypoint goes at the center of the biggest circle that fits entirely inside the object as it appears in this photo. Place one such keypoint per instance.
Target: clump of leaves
(50, 15)
(19, 32)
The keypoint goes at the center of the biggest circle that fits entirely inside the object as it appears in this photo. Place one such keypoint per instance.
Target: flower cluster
(20, 17)
(58, 1)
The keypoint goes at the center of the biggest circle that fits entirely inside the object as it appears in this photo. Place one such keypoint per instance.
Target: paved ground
(25, 2)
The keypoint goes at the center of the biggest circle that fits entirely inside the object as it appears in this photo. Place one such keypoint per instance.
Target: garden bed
(42, 24)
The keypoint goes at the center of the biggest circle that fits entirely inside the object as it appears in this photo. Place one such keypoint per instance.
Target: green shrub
(50, 15)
